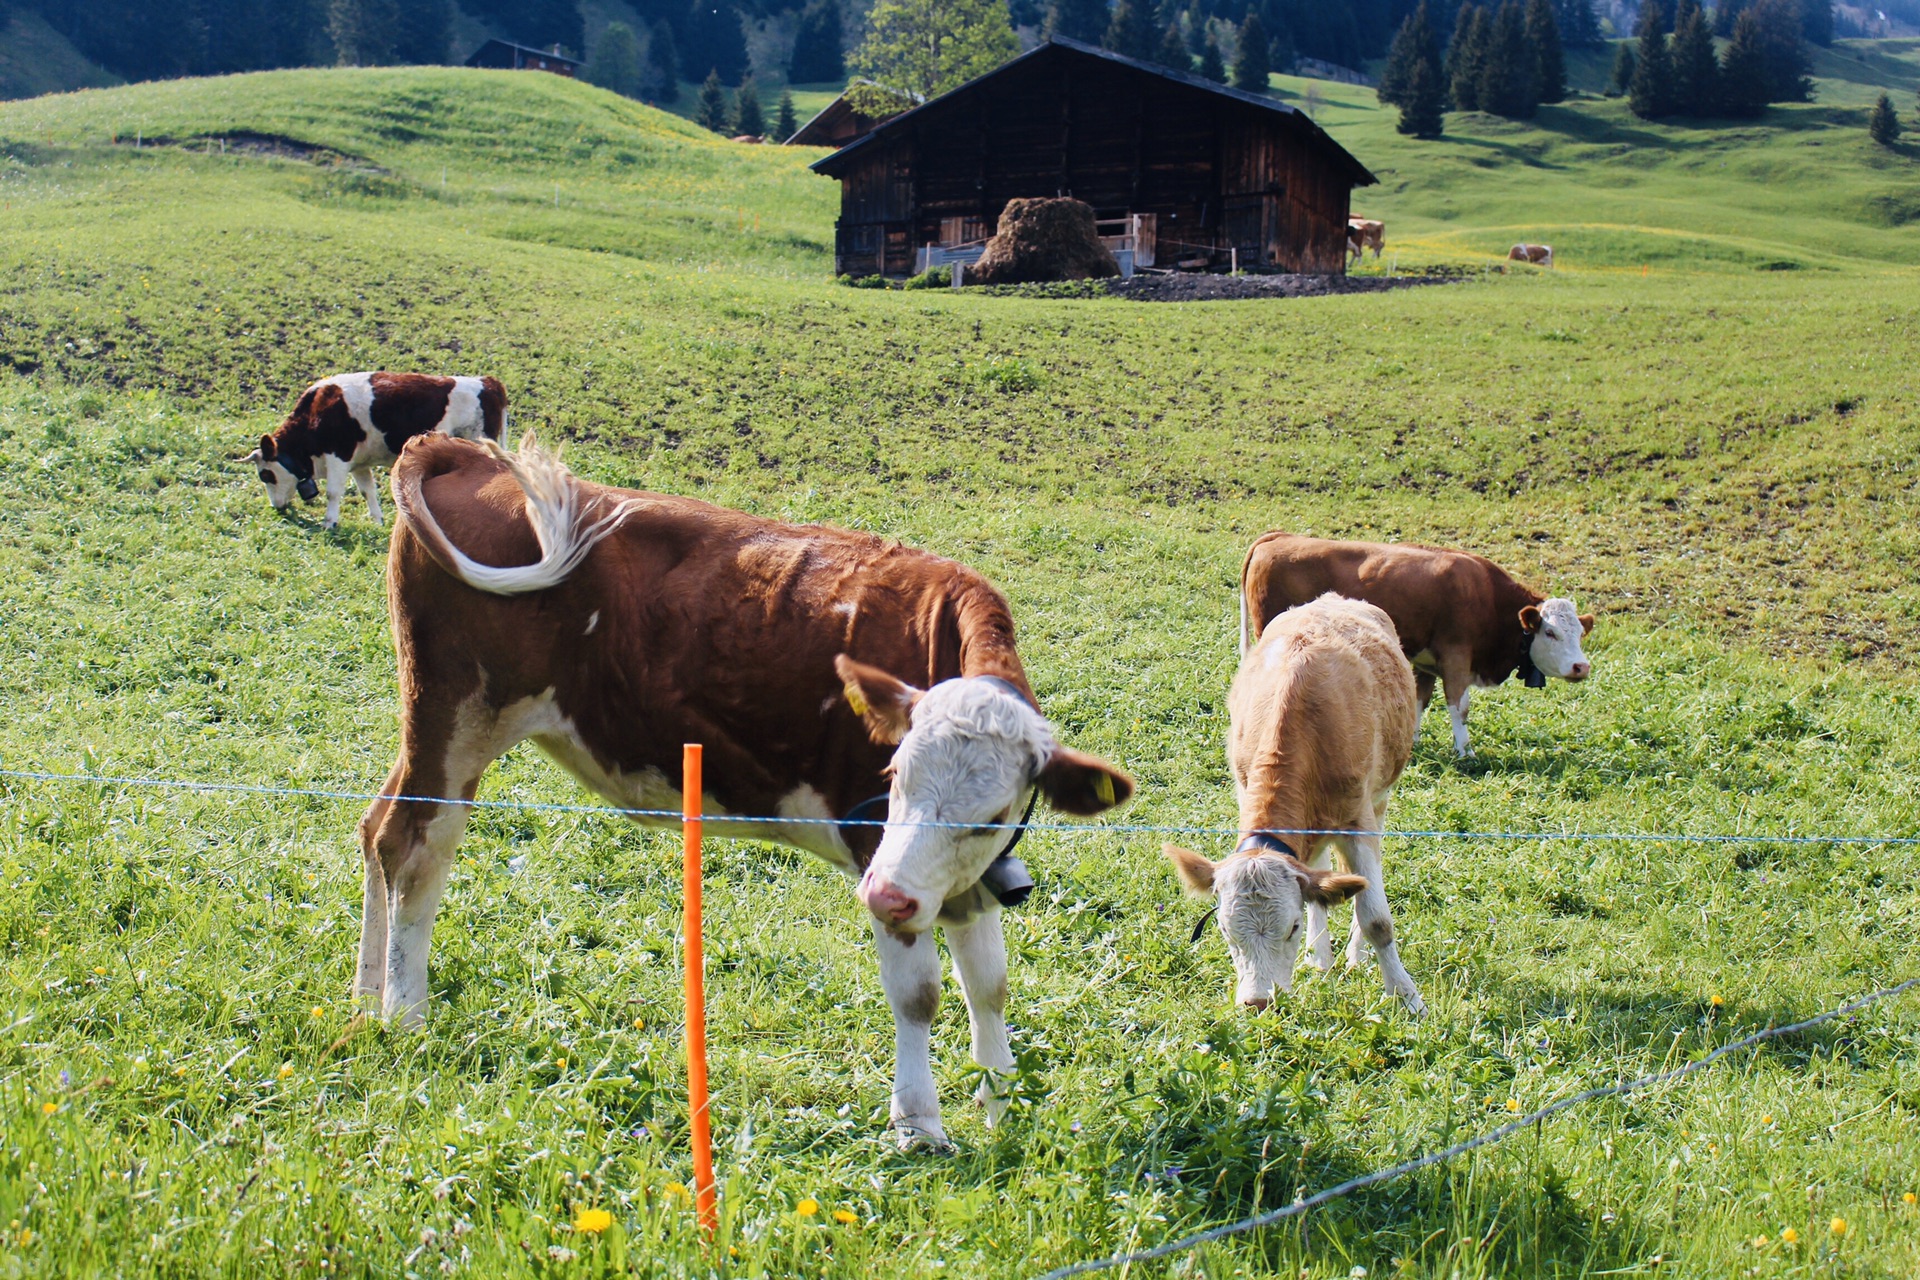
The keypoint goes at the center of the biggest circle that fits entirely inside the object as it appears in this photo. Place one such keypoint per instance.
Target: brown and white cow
(353, 422)
(1365, 233)
(1540, 255)
(1322, 723)
(1460, 617)
(611, 626)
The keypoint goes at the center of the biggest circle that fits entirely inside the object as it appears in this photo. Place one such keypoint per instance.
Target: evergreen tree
(1883, 126)
(1743, 73)
(1506, 85)
(818, 55)
(1129, 31)
(1622, 78)
(1651, 94)
(423, 31)
(1211, 67)
(1816, 21)
(663, 58)
(712, 35)
(1423, 103)
(540, 24)
(710, 109)
(1414, 44)
(615, 61)
(1173, 50)
(1726, 13)
(1579, 28)
(1467, 56)
(1253, 64)
(1549, 59)
(1077, 19)
(786, 124)
(364, 31)
(1696, 71)
(747, 116)
(1786, 53)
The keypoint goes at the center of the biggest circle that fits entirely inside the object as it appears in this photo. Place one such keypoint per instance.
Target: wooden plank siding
(1218, 169)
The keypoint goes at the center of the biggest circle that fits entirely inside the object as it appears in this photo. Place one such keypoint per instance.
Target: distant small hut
(504, 55)
(837, 124)
(1179, 170)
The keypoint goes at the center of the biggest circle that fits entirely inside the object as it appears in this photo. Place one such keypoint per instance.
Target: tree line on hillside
(1509, 58)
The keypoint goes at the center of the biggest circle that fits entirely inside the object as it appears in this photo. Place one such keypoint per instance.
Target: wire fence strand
(1505, 1131)
(1065, 828)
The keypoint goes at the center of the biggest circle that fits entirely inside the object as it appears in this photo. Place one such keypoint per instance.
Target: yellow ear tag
(1103, 787)
(856, 700)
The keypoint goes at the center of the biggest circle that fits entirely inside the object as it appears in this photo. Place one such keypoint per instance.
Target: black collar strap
(1528, 673)
(1259, 840)
(1005, 877)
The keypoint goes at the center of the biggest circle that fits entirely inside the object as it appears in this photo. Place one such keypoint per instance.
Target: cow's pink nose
(1580, 671)
(888, 903)
(1256, 1003)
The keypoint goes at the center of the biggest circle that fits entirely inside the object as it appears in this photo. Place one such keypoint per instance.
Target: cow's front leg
(1458, 691)
(336, 487)
(980, 961)
(370, 490)
(1319, 940)
(1373, 919)
(910, 975)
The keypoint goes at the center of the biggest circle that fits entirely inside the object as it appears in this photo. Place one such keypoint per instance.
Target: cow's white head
(1556, 627)
(1261, 898)
(969, 752)
(283, 474)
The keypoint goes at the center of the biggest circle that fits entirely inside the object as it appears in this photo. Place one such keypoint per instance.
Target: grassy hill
(1717, 457)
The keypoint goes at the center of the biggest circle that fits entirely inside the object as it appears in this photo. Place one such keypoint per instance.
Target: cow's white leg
(363, 481)
(980, 962)
(370, 976)
(1457, 696)
(1372, 918)
(1319, 940)
(336, 487)
(910, 975)
(414, 887)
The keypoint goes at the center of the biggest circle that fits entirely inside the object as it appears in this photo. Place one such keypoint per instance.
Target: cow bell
(1535, 679)
(306, 488)
(1007, 880)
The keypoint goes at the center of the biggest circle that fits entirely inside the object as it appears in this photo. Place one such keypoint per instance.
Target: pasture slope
(1719, 459)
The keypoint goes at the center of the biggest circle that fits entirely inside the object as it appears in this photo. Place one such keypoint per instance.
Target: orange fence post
(702, 1134)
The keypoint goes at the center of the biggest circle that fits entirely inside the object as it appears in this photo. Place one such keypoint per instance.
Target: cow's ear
(1530, 617)
(1195, 872)
(1327, 888)
(253, 459)
(1586, 624)
(266, 449)
(1074, 782)
(886, 704)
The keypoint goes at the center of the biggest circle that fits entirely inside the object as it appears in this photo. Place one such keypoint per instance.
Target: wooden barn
(1179, 170)
(504, 55)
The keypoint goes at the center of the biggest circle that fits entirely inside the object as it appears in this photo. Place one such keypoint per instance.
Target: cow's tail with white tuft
(558, 508)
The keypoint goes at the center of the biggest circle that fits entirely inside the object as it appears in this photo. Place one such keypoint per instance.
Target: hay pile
(1041, 240)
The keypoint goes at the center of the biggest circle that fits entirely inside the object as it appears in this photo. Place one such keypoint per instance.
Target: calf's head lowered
(968, 754)
(1261, 895)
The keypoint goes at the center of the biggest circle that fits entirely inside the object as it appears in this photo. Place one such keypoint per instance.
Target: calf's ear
(266, 449)
(1195, 872)
(1327, 888)
(1074, 782)
(1586, 624)
(1530, 618)
(884, 703)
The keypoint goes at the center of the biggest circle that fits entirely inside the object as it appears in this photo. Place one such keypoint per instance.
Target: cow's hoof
(1416, 1007)
(993, 1101)
(921, 1133)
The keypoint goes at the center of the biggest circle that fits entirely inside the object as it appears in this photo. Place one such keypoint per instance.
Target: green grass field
(1715, 453)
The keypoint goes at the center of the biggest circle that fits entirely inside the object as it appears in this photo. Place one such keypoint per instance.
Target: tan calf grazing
(1365, 233)
(1323, 718)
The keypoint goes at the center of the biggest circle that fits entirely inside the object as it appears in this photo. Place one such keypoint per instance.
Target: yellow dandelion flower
(1838, 1226)
(48, 1108)
(1716, 1002)
(1910, 1198)
(286, 1069)
(807, 1208)
(560, 1063)
(845, 1217)
(1513, 1104)
(639, 1024)
(1713, 1148)
(26, 1238)
(592, 1221)
(100, 970)
(678, 1191)
(1766, 1119)
(1789, 1235)
(319, 1012)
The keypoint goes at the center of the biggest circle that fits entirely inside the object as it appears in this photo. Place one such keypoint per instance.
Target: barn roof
(1058, 47)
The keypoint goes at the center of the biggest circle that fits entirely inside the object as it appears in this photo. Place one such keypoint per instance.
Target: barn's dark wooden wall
(1219, 170)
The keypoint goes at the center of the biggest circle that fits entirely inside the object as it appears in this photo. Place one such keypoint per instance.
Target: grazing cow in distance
(817, 666)
(1365, 233)
(1540, 255)
(353, 422)
(1460, 617)
(1322, 721)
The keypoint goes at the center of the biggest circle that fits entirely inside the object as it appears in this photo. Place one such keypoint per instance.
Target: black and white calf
(353, 422)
